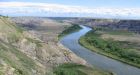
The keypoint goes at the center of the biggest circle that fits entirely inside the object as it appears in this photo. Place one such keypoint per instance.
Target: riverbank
(77, 69)
(110, 48)
(69, 30)
(97, 60)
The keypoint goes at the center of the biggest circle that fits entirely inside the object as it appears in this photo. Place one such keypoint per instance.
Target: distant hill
(130, 25)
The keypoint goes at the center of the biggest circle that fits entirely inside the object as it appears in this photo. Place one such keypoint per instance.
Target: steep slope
(12, 60)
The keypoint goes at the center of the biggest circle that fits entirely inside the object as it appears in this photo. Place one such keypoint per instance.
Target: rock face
(33, 50)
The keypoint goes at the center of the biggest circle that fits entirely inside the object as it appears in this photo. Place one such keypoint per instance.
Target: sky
(88, 3)
(72, 8)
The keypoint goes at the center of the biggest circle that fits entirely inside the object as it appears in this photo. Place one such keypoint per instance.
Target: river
(102, 62)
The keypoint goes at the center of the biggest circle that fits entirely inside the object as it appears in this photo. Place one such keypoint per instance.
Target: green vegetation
(69, 69)
(76, 69)
(69, 30)
(120, 50)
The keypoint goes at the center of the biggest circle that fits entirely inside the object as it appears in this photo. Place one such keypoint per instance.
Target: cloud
(29, 8)
(45, 7)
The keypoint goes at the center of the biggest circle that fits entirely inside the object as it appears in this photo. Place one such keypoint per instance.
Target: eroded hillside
(32, 51)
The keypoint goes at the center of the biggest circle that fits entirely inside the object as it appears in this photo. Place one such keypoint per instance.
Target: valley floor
(54, 53)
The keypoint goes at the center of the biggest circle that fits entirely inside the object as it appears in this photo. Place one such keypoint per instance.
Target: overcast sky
(71, 8)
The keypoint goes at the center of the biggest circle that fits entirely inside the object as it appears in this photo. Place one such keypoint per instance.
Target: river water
(102, 62)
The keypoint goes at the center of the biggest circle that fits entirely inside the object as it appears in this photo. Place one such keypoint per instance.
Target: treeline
(112, 47)
(69, 30)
